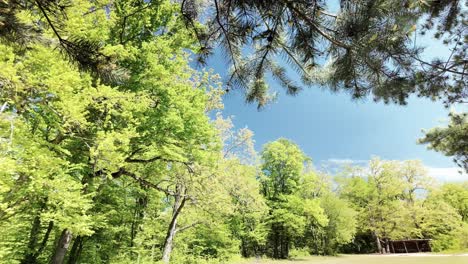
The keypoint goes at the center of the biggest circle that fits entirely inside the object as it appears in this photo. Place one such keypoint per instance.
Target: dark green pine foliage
(366, 47)
(451, 140)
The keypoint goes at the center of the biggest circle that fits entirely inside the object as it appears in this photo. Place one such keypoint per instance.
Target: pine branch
(44, 13)
(227, 38)
(444, 69)
(293, 58)
(312, 24)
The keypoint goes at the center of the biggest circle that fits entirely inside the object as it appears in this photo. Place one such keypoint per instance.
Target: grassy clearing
(368, 259)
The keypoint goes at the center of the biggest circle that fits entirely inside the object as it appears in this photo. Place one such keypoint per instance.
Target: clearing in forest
(372, 259)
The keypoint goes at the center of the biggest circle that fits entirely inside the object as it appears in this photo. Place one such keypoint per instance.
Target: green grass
(367, 259)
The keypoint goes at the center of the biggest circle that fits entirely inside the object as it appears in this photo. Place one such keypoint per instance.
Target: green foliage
(443, 217)
(297, 253)
(456, 195)
(87, 157)
(298, 205)
(451, 140)
(106, 133)
(283, 163)
(366, 47)
(362, 47)
(210, 242)
(397, 200)
(342, 223)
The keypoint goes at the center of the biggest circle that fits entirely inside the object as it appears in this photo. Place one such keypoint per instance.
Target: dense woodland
(113, 148)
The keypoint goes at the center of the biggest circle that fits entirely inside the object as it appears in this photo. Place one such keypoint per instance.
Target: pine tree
(366, 47)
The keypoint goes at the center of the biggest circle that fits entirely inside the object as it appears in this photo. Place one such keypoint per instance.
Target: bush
(299, 253)
(454, 241)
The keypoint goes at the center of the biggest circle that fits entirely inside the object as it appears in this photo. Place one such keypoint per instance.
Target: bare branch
(188, 226)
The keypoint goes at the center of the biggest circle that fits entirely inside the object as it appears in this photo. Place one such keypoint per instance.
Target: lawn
(370, 259)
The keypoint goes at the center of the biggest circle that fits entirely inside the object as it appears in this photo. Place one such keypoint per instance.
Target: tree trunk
(377, 241)
(166, 257)
(244, 248)
(315, 239)
(281, 250)
(62, 247)
(75, 250)
(322, 244)
(29, 256)
(45, 239)
(286, 248)
(275, 242)
(153, 248)
(32, 254)
(171, 231)
(140, 206)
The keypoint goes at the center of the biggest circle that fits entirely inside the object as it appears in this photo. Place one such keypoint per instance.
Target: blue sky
(333, 129)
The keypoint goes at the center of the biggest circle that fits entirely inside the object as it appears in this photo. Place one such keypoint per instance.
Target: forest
(114, 148)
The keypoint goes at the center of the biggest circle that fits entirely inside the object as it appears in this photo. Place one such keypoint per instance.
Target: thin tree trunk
(315, 239)
(133, 228)
(32, 253)
(166, 257)
(62, 247)
(29, 256)
(377, 241)
(66, 236)
(44, 239)
(171, 232)
(322, 244)
(275, 242)
(244, 248)
(281, 250)
(138, 215)
(75, 250)
(153, 248)
(286, 248)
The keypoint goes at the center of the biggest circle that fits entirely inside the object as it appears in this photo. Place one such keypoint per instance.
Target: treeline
(112, 150)
(398, 200)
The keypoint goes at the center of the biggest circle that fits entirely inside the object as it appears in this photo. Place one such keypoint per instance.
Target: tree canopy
(451, 140)
(363, 47)
(113, 148)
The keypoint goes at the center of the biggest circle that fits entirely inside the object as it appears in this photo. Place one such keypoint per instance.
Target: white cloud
(333, 166)
(345, 161)
(449, 174)
(442, 174)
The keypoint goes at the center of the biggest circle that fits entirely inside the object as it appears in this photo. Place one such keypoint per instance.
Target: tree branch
(188, 226)
(226, 36)
(187, 164)
(315, 26)
(144, 182)
(49, 22)
(441, 68)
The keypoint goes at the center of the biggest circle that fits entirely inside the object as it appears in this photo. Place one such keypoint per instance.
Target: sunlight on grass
(367, 259)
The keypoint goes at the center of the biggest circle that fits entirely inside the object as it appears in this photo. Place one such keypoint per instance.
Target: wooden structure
(410, 245)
